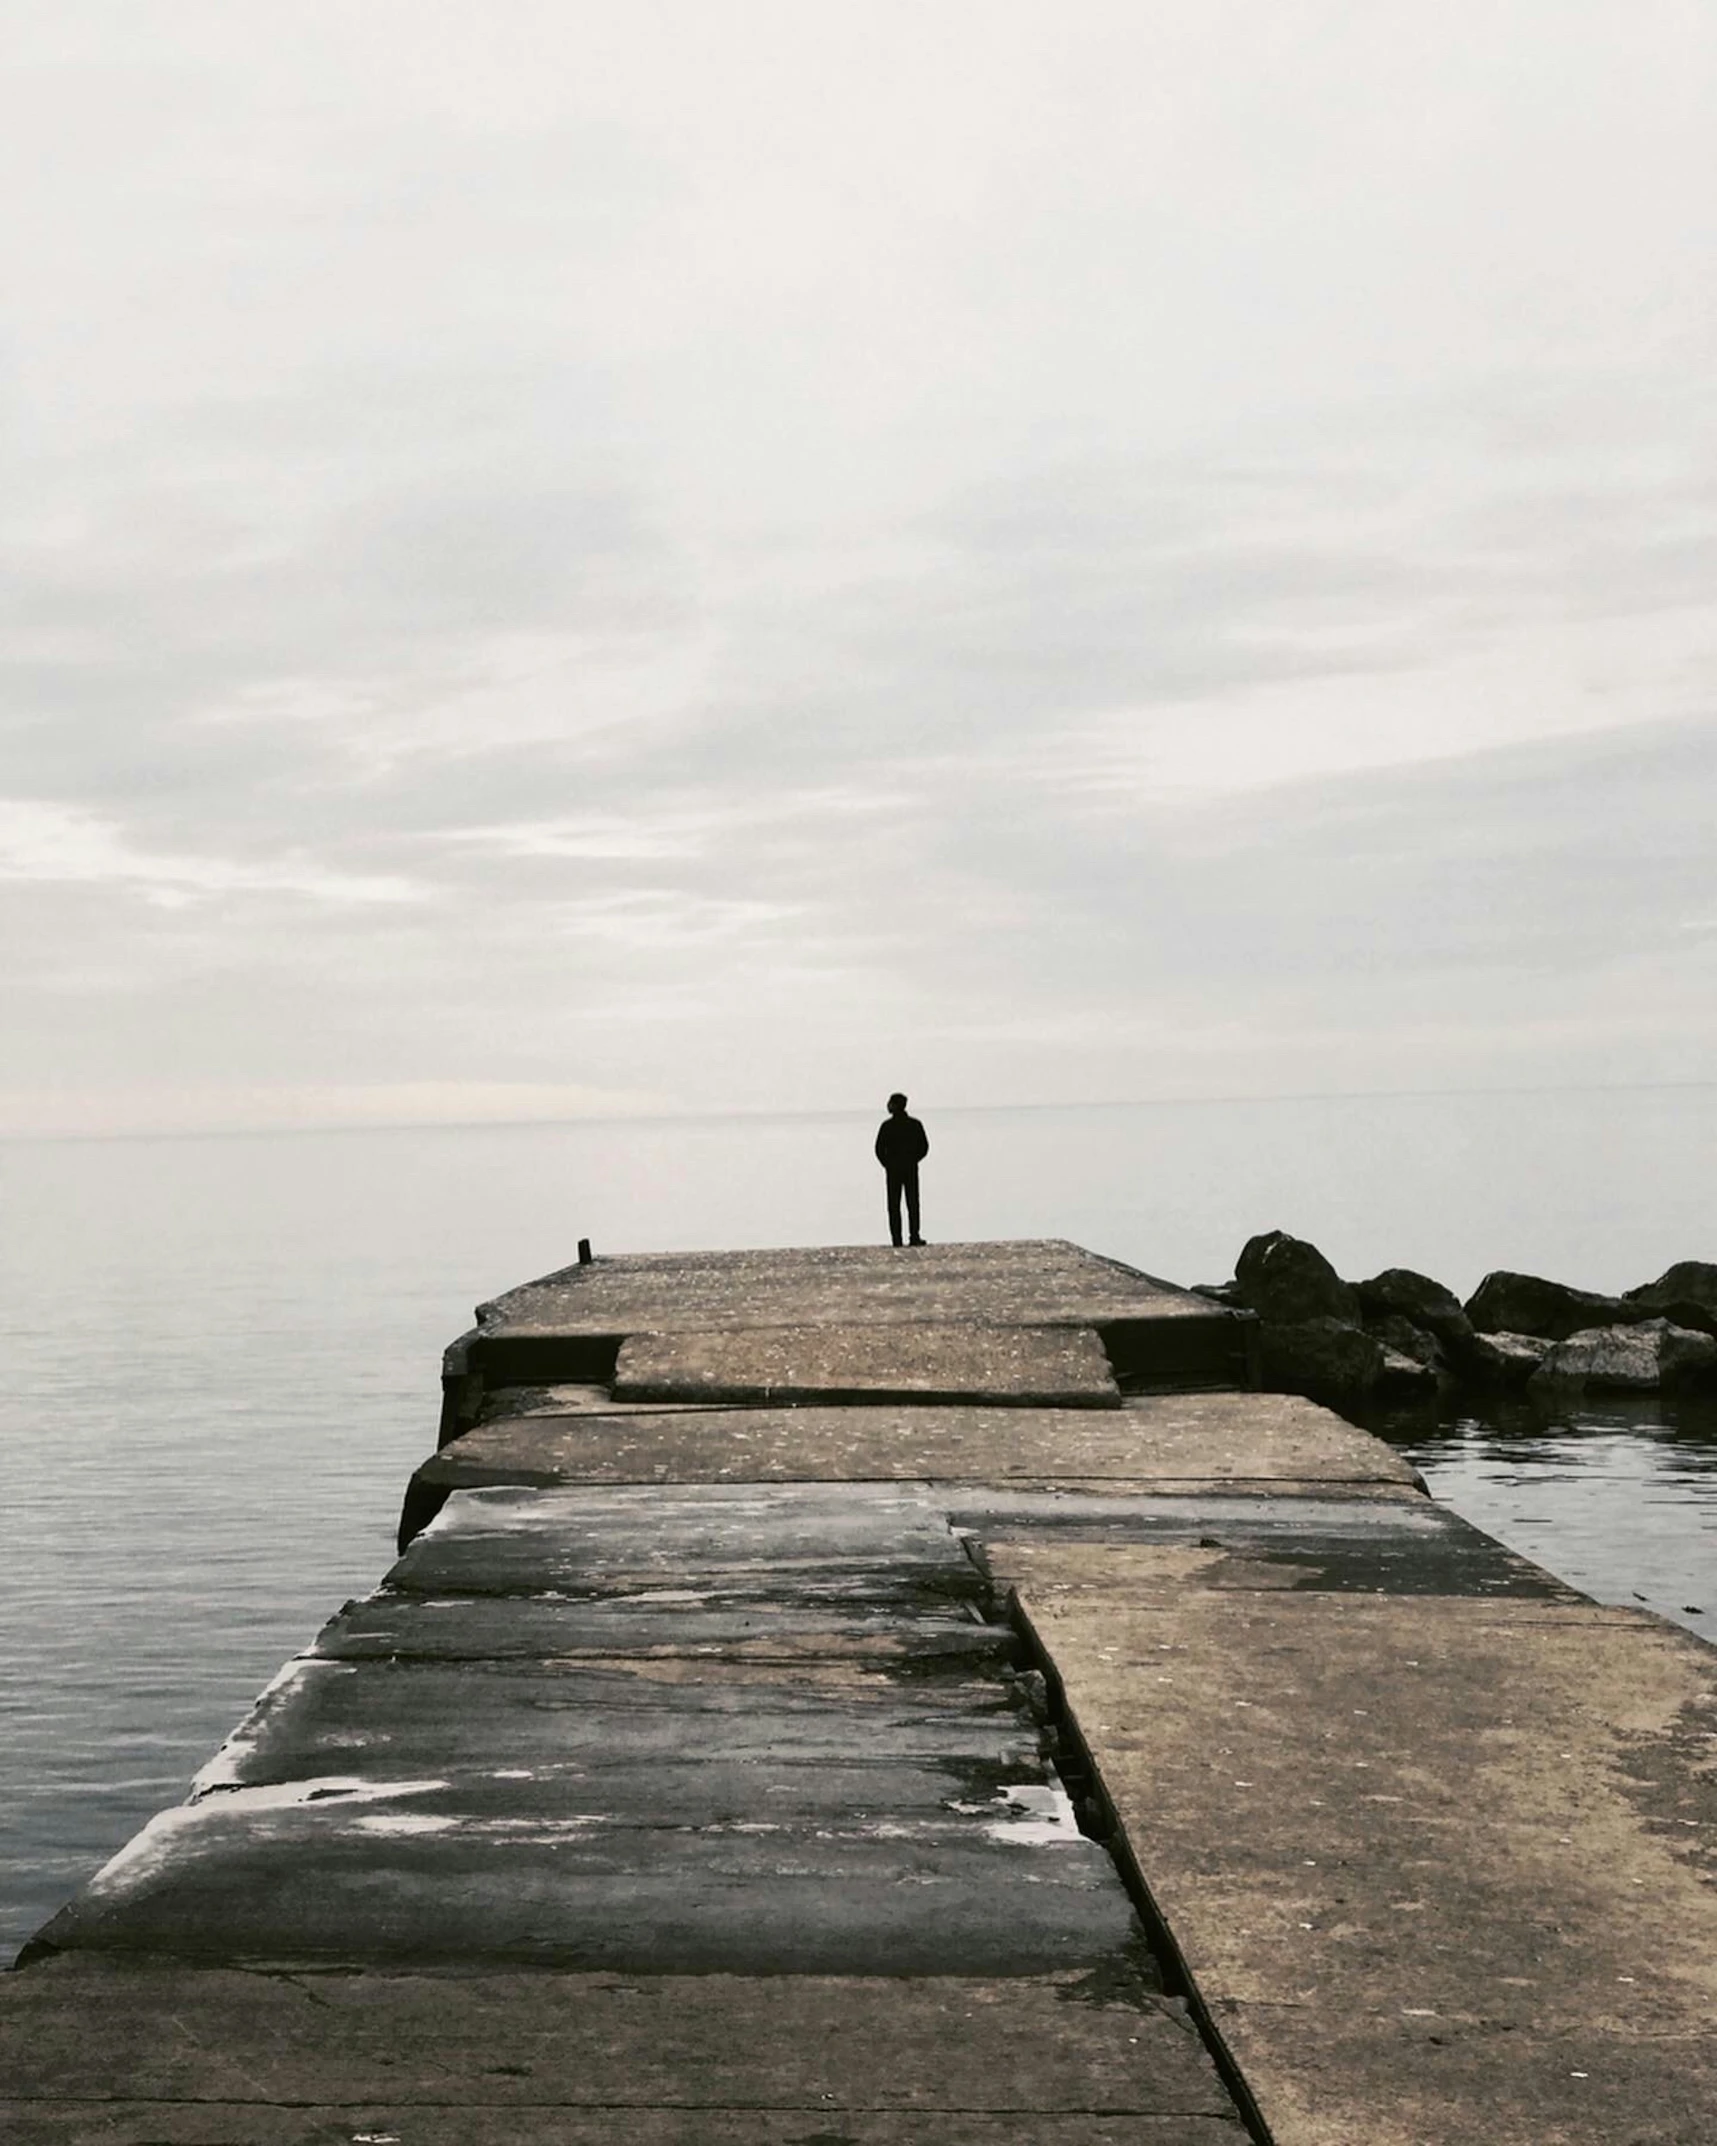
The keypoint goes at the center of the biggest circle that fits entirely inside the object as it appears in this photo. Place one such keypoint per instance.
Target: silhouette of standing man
(901, 1145)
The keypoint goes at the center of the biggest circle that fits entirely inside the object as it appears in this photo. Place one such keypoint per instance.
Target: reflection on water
(1615, 1494)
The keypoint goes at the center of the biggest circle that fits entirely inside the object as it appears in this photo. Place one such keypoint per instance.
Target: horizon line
(801, 1116)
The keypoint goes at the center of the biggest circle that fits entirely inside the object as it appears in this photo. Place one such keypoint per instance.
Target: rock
(1502, 1359)
(1640, 1358)
(1405, 1378)
(1341, 1365)
(1505, 1303)
(1689, 1281)
(1406, 1339)
(1218, 1292)
(1400, 1293)
(1286, 1280)
(1685, 1294)
(1326, 1359)
(1679, 1311)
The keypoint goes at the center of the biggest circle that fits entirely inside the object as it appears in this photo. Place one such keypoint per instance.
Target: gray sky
(564, 558)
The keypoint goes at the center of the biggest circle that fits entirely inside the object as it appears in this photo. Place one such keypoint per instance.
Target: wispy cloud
(51, 844)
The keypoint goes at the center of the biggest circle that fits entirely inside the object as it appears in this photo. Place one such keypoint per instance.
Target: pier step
(1179, 1443)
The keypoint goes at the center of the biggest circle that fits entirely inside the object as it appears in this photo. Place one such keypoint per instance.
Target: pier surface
(864, 1698)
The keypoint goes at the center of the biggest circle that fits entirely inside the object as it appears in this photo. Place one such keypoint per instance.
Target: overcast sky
(567, 558)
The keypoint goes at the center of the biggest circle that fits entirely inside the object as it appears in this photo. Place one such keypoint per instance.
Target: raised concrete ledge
(1160, 1438)
(1183, 1443)
(997, 1366)
(233, 1886)
(789, 1622)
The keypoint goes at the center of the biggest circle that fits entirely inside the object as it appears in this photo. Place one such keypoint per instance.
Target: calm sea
(220, 1356)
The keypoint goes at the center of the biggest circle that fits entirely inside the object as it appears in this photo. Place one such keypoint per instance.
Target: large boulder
(1689, 1281)
(1286, 1280)
(1686, 1294)
(1329, 1360)
(1505, 1303)
(1505, 1360)
(1640, 1358)
(1399, 1293)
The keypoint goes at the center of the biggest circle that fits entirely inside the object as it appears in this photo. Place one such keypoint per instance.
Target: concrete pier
(874, 1697)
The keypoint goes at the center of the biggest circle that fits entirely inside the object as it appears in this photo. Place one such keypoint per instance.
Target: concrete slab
(393, 1720)
(1155, 1440)
(612, 1540)
(116, 2047)
(1405, 1546)
(1441, 1867)
(1026, 1281)
(713, 1791)
(762, 1628)
(1024, 1366)
(236, 1880)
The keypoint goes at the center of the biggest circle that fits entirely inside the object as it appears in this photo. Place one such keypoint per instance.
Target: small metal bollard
(584, 1251)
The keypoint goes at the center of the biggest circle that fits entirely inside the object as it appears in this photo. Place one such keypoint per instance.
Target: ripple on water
(1616, 1495)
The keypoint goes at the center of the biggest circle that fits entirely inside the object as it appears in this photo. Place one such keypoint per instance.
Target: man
(901, 1145)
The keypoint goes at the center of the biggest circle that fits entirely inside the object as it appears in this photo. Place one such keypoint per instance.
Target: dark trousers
(903, 1178)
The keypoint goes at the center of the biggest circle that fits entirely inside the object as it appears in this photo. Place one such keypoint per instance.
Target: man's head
(896, 1104)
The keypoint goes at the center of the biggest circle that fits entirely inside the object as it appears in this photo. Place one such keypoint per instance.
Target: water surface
(1616, 1495)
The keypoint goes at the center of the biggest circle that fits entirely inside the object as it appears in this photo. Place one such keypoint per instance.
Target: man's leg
(911, 1205)
(894, 1184)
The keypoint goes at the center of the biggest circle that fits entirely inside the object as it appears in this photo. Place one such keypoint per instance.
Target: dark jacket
(901, 1143)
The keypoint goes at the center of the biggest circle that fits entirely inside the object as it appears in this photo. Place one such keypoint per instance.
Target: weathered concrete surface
(237, 1885)
(1033, 1281)
(828, 1539)
(221, 2125)
(875, 1623)
(392, 1721)
(1029, 1366)
(1440, 1866)
(1347, 1545)
(90, 2051)
(807, 1816)
(570, 1326)
(1197, 1439)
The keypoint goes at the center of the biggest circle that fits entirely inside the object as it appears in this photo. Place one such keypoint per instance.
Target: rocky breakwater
(1401, 1337)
